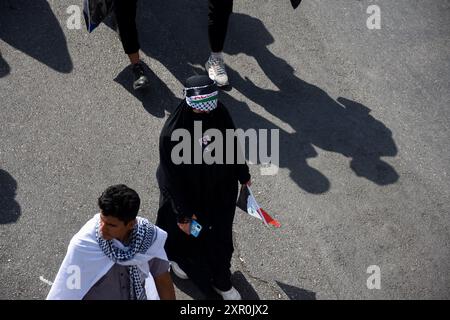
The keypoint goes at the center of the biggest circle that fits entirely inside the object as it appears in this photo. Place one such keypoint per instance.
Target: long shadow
(318, 121)
(155, 99)
(9, 208)
(31, 27)
(341, 126)
(295, 293)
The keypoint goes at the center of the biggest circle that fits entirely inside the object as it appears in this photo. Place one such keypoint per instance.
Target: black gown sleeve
(172, 181)
(241, 169)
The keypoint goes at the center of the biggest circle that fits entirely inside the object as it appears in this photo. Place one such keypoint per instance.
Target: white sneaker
(178, 271)
(216, 71)
(231, 294)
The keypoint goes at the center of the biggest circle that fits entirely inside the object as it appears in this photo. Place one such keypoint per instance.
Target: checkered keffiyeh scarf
(204, 102)
(141, 238)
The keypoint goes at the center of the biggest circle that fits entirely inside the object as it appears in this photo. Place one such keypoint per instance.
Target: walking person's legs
(219, 253)
(218, 17)
(125, 12)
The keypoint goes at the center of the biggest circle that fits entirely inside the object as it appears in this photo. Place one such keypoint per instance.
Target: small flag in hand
(247, 203)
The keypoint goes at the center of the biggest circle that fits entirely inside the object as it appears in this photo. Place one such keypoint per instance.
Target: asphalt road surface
(363, 119)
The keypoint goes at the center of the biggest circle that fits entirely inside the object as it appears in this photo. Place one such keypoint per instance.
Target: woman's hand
(186, 227)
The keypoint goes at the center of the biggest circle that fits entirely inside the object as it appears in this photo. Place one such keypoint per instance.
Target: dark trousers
(218, 16)
(125, 12)
(219, 12)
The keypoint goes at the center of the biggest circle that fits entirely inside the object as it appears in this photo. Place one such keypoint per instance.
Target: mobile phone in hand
(195, 228)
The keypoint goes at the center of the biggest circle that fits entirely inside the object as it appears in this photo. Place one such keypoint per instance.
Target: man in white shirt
(119, 256)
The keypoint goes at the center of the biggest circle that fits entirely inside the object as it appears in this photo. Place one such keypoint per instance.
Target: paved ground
(364, 129)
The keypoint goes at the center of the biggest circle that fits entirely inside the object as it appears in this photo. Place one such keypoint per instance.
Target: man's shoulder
(86, 235)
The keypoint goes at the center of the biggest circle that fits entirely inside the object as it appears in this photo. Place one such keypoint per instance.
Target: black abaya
(207, 190)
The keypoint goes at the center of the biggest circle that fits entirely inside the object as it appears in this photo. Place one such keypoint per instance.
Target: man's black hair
(120, 202)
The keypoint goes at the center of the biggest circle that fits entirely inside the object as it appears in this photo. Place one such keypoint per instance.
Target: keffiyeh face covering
(141, 238)
(202, 98)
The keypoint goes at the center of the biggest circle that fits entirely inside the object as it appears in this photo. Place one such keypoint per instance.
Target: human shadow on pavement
(155, 99)
(31, 27)
(295, 293)
(9, 208)
(318, 121)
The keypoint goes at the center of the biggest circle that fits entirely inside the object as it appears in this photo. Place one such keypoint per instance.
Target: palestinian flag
(247, 203)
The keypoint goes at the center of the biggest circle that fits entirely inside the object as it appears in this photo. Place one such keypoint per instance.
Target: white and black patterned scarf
(203, 98)
(205, 102)
(141, 238)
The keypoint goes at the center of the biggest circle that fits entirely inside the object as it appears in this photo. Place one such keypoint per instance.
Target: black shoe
(140, 79)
